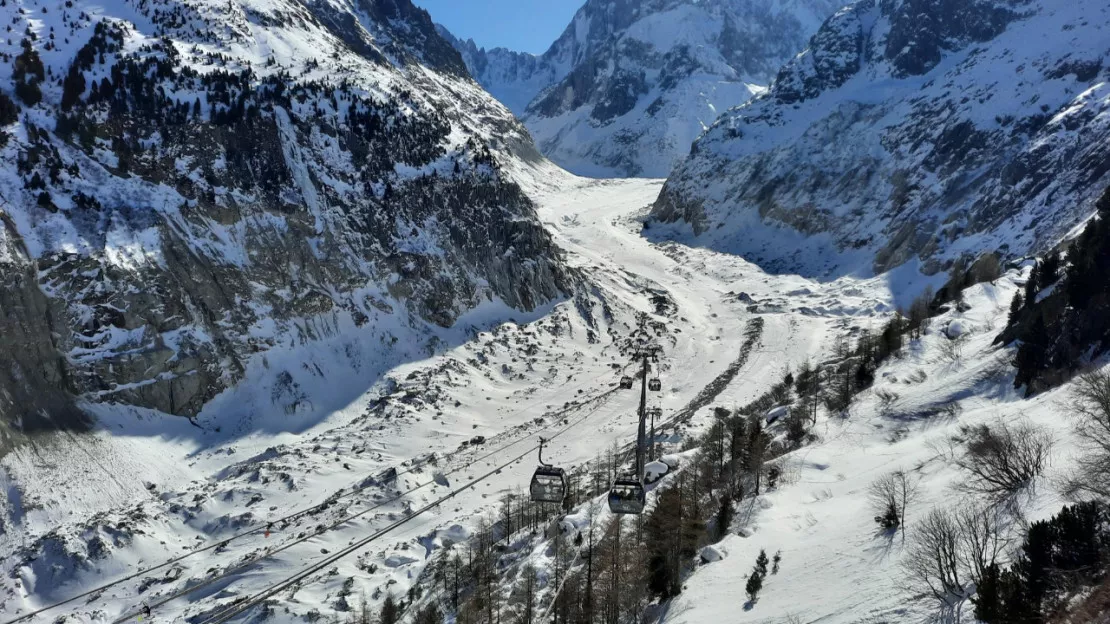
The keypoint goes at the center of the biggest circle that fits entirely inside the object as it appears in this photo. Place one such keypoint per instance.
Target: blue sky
(523, 25)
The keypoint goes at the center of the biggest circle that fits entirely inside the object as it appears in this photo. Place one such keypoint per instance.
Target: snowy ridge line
(267, 554)
(252, 601)
(373, 480)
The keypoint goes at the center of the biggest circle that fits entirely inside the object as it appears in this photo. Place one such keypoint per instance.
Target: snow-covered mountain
(188, 185)
(909, 129)
(630, 84)
(303, 225)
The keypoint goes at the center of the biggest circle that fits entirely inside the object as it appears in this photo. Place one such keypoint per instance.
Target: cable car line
(366, 482)
(240, 607)
(627, 495)
(269, 553)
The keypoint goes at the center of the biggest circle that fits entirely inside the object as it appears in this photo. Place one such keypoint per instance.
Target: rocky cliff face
(630, 84)
(190, 184)
(909, 129)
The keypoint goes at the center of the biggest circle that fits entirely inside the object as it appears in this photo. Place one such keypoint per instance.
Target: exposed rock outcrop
(909, 129)
(174, 211)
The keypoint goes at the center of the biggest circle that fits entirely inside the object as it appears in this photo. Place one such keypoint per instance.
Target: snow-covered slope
(186, 185)
(630, 84)
(145, 487)
(837, 565)
(909, 129)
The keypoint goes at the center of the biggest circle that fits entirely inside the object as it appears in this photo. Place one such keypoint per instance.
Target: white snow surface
(208, 484)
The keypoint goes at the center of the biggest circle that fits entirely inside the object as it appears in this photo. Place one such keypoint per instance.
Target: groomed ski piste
(277, 497)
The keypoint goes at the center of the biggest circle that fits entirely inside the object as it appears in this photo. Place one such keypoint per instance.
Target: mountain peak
(890, 147)
(631, 83)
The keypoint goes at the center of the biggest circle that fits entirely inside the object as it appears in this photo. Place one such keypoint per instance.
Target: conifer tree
(1049, 269)
(391, 614)
(1016, 305)
(755, 580)
(1030, 360)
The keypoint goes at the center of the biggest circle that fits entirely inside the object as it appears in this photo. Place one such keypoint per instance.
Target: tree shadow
(885, 543)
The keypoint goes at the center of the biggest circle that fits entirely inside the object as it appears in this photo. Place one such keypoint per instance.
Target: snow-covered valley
(289, 305)
(146, 488)
(80, 512)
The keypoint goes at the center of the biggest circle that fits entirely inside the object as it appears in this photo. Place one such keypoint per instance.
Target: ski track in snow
(835, 567)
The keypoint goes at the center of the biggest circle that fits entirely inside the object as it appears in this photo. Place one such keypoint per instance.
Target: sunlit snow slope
(895, 137)
(145, 487)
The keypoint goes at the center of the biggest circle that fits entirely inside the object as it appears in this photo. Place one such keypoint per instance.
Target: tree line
(598, 572)
(1059, 331)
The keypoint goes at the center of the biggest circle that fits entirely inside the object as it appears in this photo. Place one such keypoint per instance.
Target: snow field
(506, 376)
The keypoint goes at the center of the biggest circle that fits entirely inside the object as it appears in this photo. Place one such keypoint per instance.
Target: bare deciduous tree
(952, 550)
(1091, 407)
(933, 561)
(982, 538)
(888, 401)
(1003, 459)
(918, 316)
(890, 495)
(952, 350)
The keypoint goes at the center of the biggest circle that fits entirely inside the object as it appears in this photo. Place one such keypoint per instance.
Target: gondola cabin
(626, 383)
(549, 485)
(655, 385)
(627, 496)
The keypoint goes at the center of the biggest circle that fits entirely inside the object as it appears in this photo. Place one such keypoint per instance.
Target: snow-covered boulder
(568, 527)
(674, 461)
(957, 328)
(710, 554)
(776, 413)
(655, 471)
(396, 561)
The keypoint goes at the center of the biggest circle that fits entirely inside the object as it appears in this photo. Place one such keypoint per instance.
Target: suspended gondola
(627, 495)
(654, 384)
(549, 483)
(626, 383)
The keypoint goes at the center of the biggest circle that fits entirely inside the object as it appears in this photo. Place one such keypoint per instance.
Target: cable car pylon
(654, 412)
(627, 495)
